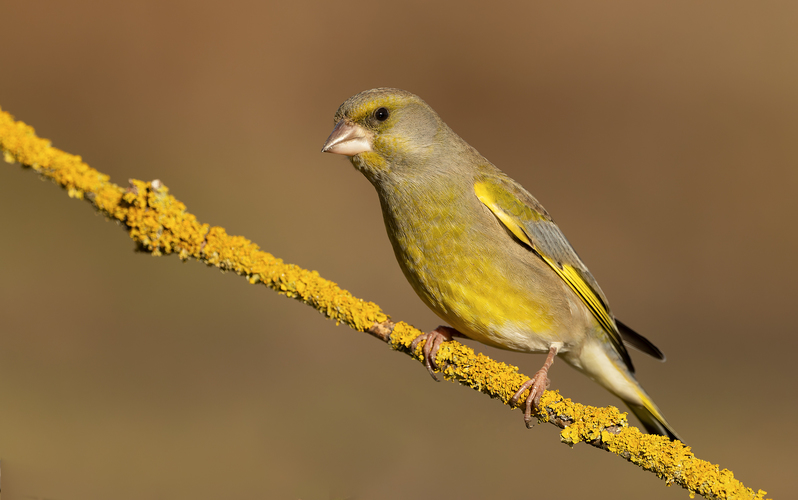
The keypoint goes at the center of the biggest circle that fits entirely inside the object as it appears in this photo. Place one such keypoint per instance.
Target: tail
(651, 418)
(601, 363)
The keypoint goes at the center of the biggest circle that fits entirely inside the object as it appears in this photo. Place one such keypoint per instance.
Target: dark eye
(381, 114)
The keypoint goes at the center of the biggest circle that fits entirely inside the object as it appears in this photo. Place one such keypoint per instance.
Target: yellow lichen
(160, 224)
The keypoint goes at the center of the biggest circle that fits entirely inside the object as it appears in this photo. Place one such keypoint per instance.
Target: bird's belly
(526, 309)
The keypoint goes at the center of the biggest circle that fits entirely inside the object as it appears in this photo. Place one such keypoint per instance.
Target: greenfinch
(483, 253)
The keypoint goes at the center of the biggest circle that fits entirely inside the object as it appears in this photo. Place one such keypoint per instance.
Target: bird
(483, 254)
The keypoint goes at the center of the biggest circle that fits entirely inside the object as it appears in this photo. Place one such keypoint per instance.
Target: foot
(536, 385)
(539, 383)
(434, 340)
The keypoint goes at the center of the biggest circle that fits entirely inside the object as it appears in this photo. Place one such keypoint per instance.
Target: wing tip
(642, 344)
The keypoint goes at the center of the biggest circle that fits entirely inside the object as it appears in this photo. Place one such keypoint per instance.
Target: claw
(434, 339)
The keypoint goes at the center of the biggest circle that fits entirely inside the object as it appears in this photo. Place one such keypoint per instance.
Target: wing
(639, 342)
(532, 226)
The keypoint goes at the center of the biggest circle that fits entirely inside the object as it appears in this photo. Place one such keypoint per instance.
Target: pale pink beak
(348, 139)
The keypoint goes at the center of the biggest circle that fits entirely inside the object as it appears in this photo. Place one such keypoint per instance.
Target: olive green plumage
(480, 250)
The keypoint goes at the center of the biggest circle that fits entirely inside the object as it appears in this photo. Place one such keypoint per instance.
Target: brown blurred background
(661, 136)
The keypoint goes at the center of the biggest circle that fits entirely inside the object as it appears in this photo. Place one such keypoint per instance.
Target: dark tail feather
(652, 423)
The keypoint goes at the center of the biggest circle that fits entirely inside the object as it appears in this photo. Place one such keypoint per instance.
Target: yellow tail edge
(651, 418)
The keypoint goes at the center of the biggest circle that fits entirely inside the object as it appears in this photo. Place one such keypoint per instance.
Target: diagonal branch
(160, 224)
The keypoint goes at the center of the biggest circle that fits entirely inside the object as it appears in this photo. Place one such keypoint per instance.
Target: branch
(160, 224)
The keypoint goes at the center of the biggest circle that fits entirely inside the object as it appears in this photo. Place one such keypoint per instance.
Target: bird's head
(384, 132)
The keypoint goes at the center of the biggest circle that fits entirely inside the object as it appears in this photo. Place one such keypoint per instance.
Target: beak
(348, 139)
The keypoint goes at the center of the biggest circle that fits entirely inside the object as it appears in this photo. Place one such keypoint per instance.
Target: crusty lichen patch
(676, 464)
(160, 224)
(464, 365)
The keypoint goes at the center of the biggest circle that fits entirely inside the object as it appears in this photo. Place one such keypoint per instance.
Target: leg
(434, 340)
(538, 384)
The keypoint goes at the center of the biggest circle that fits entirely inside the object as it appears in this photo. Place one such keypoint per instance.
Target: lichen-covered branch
(160, 224)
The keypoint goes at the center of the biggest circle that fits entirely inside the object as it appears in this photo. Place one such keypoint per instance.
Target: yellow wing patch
(498, 201)
(571, 276)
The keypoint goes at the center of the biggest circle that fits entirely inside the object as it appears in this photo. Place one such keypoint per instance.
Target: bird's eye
(381, 114)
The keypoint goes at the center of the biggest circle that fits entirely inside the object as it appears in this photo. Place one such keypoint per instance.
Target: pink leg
(434, 340)
(538, 384)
